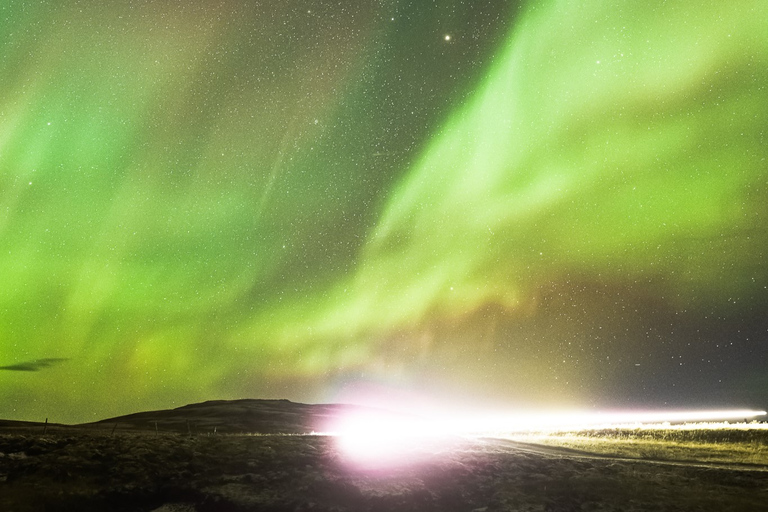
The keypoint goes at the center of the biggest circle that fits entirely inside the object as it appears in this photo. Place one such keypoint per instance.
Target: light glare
(378, 440)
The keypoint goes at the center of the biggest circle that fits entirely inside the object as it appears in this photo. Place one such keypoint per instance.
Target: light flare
(378, 440)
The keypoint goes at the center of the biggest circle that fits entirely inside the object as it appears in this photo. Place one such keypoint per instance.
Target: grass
(90, 471)
(745, 443)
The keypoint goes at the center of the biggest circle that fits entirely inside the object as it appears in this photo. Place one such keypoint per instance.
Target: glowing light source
(379, 440)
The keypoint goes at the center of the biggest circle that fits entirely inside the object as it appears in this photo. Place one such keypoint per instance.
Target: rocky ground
(88, 470)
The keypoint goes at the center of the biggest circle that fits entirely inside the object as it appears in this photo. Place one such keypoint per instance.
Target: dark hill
(233, 417)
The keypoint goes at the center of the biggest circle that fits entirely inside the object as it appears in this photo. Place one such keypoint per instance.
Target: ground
(61, 469)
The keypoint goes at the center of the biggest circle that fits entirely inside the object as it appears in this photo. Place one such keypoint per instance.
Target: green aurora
(218, 200)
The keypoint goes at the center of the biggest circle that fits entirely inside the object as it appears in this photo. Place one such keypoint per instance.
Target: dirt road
(558, 451)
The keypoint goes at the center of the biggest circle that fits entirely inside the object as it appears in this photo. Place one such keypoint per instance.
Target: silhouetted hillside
(233, 416)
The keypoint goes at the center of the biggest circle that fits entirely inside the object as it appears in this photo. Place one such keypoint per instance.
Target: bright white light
(378, 439)
(573, 420)
(373, 437)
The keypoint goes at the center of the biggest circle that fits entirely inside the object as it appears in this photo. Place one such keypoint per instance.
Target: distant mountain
(234, 416)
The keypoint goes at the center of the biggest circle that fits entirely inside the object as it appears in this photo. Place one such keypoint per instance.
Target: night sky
(554, 203)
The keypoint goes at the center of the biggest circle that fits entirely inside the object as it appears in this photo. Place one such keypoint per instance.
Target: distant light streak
(579, 420)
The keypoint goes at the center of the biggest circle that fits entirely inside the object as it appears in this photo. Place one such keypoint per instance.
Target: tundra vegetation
(104, 468)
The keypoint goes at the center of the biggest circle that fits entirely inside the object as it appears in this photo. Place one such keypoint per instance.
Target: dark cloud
(34, 366)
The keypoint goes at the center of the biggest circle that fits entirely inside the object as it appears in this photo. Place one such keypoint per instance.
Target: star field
(537, 203)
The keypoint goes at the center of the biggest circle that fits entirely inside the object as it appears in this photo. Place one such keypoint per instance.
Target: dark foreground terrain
(89, 469)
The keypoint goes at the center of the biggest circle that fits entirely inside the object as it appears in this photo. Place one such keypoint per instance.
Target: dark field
(66, 469)
(201, 458)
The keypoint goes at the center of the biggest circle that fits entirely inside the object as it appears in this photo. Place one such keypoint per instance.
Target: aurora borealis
(549, 202)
